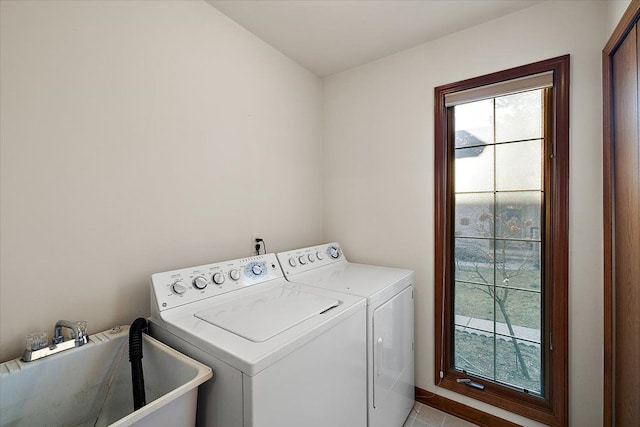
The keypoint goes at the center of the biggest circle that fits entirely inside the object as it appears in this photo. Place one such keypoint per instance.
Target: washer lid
(265, 314)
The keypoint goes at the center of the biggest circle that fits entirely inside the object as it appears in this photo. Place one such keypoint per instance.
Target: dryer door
(393, 360)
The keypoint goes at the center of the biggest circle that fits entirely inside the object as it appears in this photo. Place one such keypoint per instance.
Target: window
(501, 231)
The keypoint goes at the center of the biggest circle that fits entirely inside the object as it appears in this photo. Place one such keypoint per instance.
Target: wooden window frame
(552, 409)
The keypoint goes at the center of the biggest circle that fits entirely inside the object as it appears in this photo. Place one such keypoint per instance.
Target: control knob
(334, 252)
(292, 262)
(178, 287)
(257, 269)
(200, 282)
(319, 255)
(234, 274)
(218, 278)
(302, 260)
(311, 257)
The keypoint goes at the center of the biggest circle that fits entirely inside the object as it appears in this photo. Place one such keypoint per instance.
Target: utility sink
(91, 386)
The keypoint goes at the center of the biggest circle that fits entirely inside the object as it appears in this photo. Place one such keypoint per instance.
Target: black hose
(135, 357)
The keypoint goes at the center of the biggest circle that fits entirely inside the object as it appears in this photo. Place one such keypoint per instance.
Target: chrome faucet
(78, 331)
(36, 343)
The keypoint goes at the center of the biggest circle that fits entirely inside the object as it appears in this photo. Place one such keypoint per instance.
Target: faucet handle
(37, 340)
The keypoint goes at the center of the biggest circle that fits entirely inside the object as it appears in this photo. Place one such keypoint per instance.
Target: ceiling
(329, 36)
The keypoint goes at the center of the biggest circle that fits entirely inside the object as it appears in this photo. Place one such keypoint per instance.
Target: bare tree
(505, 268)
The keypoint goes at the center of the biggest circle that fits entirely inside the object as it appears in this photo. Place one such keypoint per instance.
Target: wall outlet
(256, 243)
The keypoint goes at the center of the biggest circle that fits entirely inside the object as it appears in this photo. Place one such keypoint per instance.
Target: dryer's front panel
(393, 361)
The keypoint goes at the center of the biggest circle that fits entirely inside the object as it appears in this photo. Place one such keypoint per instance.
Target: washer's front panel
(319, 385)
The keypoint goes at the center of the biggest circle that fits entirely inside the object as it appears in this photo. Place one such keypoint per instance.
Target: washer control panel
(306, 259)
(178, 287)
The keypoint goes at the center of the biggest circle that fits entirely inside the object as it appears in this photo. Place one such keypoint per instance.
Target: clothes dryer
(389, 330)
(283, 354)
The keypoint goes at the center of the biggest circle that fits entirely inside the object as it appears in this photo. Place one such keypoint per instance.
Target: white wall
(139, 137)
(378, 169)
(615, 10)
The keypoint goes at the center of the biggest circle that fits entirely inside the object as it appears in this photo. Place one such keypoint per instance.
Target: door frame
(625, 25)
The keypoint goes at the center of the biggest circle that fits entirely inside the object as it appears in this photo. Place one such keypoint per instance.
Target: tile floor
(426, 416)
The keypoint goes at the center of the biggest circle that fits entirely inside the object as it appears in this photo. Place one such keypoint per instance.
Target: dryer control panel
(305, 259)
(178, 287)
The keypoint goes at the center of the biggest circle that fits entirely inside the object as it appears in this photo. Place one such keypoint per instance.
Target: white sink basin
(91, 386)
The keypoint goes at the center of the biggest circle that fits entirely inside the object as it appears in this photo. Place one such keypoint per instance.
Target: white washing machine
(283, 354)
(390, 344)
